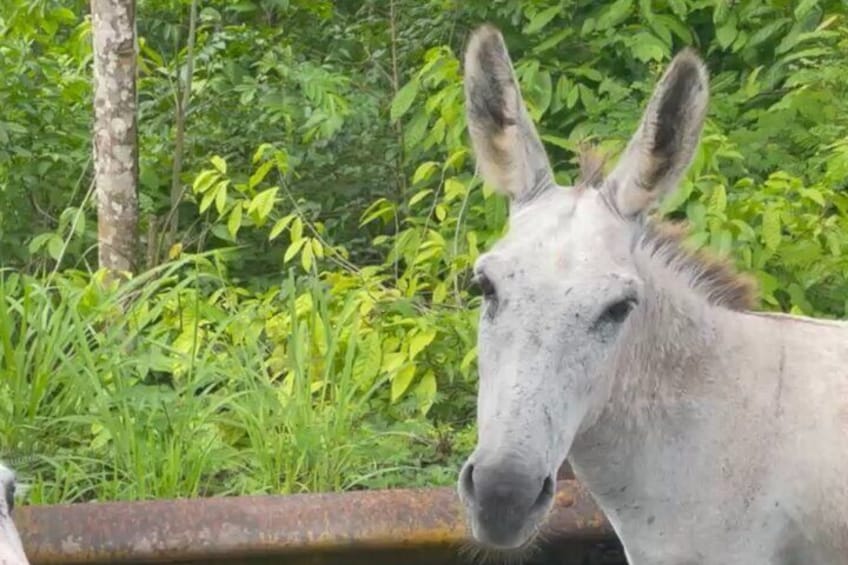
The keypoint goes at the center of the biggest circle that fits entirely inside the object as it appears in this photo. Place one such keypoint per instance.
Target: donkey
(706, 432)
(11, 549)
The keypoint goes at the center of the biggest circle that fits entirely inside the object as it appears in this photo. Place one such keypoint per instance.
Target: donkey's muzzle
(506, 501)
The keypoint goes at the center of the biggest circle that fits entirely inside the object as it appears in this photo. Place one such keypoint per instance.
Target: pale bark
(115, 132)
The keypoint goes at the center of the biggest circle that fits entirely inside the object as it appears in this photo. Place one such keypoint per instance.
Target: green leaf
(456, 159)
(721, 12)
(55, 246)
(440, 292)
(561, 142)
(366, 365)
(415, 130)
(553, 40)
(541, 93)
(765, 32)
(280, 225)
(419, 341)
(234, 221)
(219, 164)
(615, 14)
(263, 202)
(401, 381)
(727, 33)
(541, 19)
(392, 361)
(260, 173)
(306, 257)
(297, 230)
(281, 159)
(419, 196)
(221, 195)
(804, 7)
(207, 200)
(725, 243)
(590, 101)
(573, 96)
(39, 241)
(815, 195)
(718, 200)
(771, 229)
(317, 248)
(468, 359)
(677, 28)
(204, 181)
(260, 152)
(646, 11)
(381, 208)
(454, 188)
(403, 99)
(680, 8)
(676, 199)
(293, 250)
(424, 171)
(799, 298)
(647, 47)
(65, 15)
(661, 30)
(425, 391)
(812, 53)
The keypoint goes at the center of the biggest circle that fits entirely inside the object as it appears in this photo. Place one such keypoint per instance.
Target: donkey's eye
(487, 288)
(617, 312)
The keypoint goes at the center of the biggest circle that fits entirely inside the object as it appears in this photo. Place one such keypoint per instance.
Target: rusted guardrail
(390, 526)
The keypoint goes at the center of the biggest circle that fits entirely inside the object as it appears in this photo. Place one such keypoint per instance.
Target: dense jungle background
(300, 315)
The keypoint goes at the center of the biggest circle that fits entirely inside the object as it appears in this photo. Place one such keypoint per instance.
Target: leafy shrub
(313, 327)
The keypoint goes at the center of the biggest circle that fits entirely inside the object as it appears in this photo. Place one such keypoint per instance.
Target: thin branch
(182, 104)
(401, 180)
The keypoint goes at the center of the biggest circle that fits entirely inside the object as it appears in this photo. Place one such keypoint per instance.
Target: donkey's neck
(662, 381)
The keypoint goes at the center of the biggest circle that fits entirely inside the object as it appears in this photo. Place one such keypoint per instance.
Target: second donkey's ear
(506, 145)
(661, 150)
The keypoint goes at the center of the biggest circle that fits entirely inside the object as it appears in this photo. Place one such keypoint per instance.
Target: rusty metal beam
(299, 528)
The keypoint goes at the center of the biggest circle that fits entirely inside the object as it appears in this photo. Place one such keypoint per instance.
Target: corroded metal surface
(299, 528)
(565, 472)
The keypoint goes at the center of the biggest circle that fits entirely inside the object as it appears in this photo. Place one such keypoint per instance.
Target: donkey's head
(559, 288)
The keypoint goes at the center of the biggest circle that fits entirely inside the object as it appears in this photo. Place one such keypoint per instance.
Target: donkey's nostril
(547, 493)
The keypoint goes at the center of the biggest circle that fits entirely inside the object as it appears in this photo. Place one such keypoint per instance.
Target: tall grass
(174, 385)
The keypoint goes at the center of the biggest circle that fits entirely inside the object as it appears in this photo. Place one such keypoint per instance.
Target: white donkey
(11, 550)
(707, 433)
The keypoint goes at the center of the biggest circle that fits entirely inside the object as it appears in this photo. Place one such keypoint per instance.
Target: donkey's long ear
(509, 152)
(661, 150)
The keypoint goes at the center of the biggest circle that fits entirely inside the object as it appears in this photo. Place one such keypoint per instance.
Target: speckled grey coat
(708, 434)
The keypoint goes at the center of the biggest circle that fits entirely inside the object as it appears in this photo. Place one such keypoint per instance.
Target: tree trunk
(115, 133)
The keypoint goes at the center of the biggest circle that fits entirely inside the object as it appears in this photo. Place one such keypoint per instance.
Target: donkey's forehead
(566, 223)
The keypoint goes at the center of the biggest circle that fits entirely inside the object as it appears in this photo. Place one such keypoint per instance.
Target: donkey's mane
(712, 276)
(665, 241)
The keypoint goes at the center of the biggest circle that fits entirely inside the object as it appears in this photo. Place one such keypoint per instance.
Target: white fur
(707, 435)
(11, 550)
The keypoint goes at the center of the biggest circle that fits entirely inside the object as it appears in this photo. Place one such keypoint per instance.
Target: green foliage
(180, 384)
(312, 326)
(768, 183)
